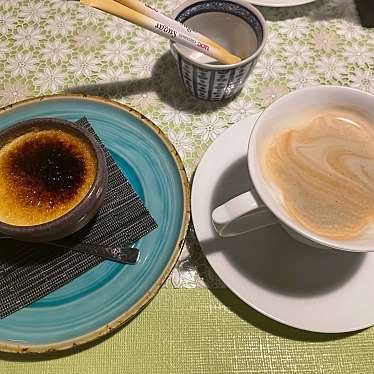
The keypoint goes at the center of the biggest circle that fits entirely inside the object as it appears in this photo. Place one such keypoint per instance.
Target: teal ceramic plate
(111, 293)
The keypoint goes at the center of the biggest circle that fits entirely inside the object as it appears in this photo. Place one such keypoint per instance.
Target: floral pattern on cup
(212, 83)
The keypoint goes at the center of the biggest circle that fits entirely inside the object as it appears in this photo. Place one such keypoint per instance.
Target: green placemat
(198, 331)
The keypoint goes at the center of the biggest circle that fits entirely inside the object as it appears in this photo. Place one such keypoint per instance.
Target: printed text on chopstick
(155, 10)
(166, 29)
(174, 33)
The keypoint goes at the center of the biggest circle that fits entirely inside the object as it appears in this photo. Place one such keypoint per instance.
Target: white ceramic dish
(321, 290)
(280, 3)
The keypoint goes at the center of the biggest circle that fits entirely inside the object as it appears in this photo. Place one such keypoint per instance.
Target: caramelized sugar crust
(43, 175)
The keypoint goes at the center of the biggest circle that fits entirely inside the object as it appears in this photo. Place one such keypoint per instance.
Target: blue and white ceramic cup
(237, 26)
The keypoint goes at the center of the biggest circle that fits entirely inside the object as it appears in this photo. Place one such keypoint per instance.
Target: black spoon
(125, 255)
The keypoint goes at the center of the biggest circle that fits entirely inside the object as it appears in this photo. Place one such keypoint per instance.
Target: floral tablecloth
(53, 46)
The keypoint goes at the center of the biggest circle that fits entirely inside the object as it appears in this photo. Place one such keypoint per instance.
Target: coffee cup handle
(247, 205)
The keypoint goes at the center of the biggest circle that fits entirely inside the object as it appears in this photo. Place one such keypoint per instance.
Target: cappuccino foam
(43, 175)
(324, 172)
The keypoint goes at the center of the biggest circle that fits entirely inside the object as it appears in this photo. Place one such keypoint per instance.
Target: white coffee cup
(262, 205)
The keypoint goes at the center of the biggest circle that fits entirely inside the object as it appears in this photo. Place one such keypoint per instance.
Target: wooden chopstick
(149, 18)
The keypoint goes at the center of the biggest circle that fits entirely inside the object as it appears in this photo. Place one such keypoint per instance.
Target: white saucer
(280, 3)
(313, 289)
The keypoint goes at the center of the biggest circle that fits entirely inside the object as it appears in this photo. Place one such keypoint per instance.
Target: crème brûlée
(43, 175)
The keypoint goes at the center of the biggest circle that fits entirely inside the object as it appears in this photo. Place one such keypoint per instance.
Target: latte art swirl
(324, 172)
